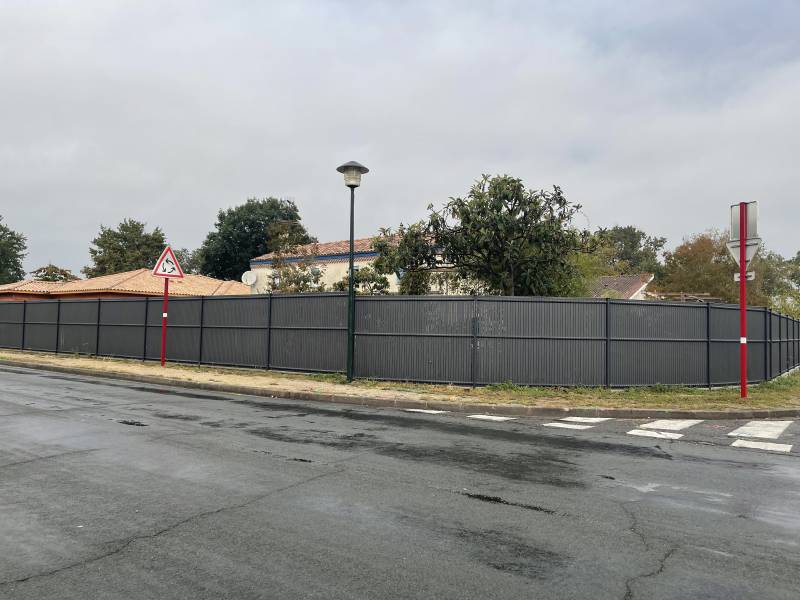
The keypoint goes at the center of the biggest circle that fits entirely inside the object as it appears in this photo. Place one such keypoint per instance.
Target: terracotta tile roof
(619, 286)
(30, 286)
(139, 282)
(326, 249)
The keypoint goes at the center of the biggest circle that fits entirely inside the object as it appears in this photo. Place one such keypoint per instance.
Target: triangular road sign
(751, 248)
(167, 265)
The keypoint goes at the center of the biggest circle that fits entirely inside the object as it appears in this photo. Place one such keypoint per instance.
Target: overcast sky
(657, 114)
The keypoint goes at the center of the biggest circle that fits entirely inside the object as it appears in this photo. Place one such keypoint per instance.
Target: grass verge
(783, 392)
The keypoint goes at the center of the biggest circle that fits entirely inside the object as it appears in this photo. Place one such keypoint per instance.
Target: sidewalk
(777, 399)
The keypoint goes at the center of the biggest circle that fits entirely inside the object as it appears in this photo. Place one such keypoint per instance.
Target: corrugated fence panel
(183, 330)
(11, 324)
(677, 355)
(235, 331)
(532, 341)
(527, 341)
(414, 339)
(122, 328)
(77, 331)
(309, 332)
(541, 362)
(40, 325)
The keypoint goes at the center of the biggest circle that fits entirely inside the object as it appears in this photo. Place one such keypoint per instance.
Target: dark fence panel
(236, 331)
(40, 325)
(121, 328)
(414, 338)
(540, 341)
(308, 332)
(77, 331)
(662, 343)
(11, 315)
(467, 340)
(183, 333)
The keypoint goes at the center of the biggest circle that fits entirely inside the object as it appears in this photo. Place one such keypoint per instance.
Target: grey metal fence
(465, 340)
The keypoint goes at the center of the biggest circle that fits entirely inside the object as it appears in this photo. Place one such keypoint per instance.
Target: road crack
(126, 543)
(48, 457)
(662, 563)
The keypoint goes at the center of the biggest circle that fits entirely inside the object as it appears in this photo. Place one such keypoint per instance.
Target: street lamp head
(352, 173)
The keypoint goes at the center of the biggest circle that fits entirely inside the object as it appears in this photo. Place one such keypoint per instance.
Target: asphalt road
(113, 490)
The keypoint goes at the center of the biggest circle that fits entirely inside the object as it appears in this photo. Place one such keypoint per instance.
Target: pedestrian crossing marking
(490, 418)
(586, 419)
(568, 425)
(671, 424)
(762, 446)
(662, 435)
(762, 429)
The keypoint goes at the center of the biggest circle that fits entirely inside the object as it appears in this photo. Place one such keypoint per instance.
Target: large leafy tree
(246, 231)
(512, 240)
(632, 250)
(702, 264)
(126, 248)
(52, 272)
(12, 251)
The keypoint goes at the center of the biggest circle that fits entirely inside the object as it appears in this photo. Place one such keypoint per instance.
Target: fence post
(200, 344)
(146, 315)
(780, 344)
(97, 329)
(269, 329)
(608, 343)
(58, 323)
(766, 367)
(24, 316)
(769, 312)
(708, 345)
(474, 348)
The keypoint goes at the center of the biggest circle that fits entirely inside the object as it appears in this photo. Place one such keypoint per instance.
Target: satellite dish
(249, 278)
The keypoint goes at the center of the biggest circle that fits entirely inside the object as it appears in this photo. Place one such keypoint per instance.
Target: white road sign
(167, 265)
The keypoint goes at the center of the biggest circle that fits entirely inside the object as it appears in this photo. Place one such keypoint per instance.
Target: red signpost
(742, 298)
(168, 268)
(743, 246)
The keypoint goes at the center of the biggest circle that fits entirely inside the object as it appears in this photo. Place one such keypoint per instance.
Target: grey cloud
(169, 111)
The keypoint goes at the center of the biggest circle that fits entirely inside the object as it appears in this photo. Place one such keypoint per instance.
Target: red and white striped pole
(743, 298)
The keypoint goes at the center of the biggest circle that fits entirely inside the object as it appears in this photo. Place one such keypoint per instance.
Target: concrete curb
(509, 410)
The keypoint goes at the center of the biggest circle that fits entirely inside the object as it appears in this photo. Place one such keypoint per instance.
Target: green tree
(294, 268)
(189, 260)
(51, 272)
(126, 248)
(633, 251)
(12, 251)
(246, 231)
(592, 265)
(366, 281)
(409, 254)
(702, 264)
(512, 240)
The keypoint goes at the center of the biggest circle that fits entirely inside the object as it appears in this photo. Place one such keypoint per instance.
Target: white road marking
(427, 411)
(568, 425)
(586, 419)
(762, 429)
(671, 424)
(662, 435)
(762, 446)
(490, 418)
